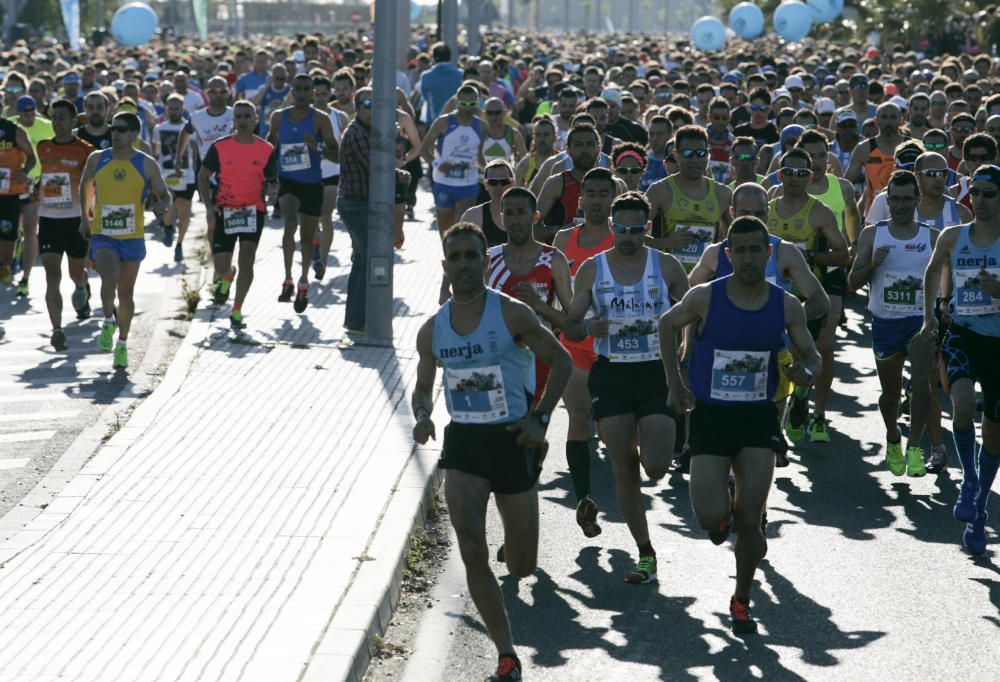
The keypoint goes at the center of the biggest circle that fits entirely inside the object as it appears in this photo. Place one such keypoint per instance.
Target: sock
(578, 458)
(646, 549)
(110, 320)
(988, 465)
(965, 446)
(288, 280)
(229, 276)
(316, 242)
(237, 307)
(121, 342)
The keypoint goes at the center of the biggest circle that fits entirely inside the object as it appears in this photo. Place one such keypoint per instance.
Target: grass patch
(191, 296)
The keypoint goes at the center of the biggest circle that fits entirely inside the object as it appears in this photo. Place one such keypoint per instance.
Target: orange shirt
(11, 159)
(62, 165)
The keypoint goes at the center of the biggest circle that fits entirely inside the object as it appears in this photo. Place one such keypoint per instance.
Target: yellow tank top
(121, 194)
(833, 199)
(700, 216)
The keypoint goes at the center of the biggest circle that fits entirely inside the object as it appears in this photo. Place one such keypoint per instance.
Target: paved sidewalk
(249, 519)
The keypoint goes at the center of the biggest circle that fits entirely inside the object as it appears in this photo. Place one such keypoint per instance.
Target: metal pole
(475, 18)
(382, 180)
(449, 24)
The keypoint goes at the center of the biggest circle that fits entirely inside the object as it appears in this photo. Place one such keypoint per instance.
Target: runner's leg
(754, 470)
(519, 513)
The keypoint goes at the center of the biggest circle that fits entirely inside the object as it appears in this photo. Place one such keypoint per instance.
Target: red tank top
(570, 198)
(576, 254)
(500, 277)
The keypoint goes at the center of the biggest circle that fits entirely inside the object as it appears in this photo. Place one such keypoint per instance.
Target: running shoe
(894, 458)
(508, 670)
(743, 622)
(301, 298)
(222, 287)
(22, 288)
(965, 506)
(319, 267)
(644, 571)
(178, 253)
(684, 460)
(121, 357)
(586, 517)
(84, 312)
(720, 534)
(974, 537)
(168, 235)
(236, 320)
(81, 298)
(798, 414)
(915, 462)
(818, 429)
(107, 337)
(938, 461)
(287, 291)
(58, 340)
(6, 275)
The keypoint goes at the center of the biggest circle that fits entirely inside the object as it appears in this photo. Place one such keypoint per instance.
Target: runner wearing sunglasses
(877, 155)
(499, 177)
(625, 290)
(630, 163)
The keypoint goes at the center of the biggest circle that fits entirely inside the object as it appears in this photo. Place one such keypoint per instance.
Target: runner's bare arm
(705, 270)
(561, 279)
(691, 309)
(674, 275)
(852, 216)
(427, 146)
(724, 196)
(940, 259)
(803, 346)
(520, 171)
(543, 174)
(859, 157)
(547, 198)
(574, 327)
(525, 327)
(411, 133)
(422, 400)
(519, 148)
(86, 193)
(157, 185)
(823, 221)
(275, 124)
(331, 148)
(24, 144)
(793, 264)
(861, 271)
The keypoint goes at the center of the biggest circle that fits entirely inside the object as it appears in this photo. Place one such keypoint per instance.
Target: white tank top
(329, 168)
(897, 289)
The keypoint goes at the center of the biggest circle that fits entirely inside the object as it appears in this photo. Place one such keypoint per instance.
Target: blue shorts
(446, 196)
(892, 336)
(128, 250)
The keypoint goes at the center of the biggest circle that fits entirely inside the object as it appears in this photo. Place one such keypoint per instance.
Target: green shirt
(40, 130)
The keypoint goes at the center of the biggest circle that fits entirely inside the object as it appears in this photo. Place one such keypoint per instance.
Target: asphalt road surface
(865, 577)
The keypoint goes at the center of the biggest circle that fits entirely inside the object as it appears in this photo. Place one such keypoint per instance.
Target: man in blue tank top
(486, 343)
(972, 345)
(303, 135)
(626, 289)
(741, 322)
(891, 258)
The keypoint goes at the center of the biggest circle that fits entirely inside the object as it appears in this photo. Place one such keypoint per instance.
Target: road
(864, 579)
(52, 402)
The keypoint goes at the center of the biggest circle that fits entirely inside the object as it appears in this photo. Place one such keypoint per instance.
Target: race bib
(4, 180)
(457, 171)
(117, 221)
(56, 191)
(739, 375)
(239, 220)
(691, 254)
(477, 394)
(902, 293)
(633, 339)
(295, 157)
(970, 299)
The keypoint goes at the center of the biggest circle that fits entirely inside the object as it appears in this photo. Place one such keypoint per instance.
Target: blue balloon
(746, 20)
(792, 20)
(825, 11)
(708, 34)
(134, 24)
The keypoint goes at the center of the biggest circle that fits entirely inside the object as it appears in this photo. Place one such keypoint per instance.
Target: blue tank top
(724, 268)
(972, 308)
(487, 376)
(946, 218)
(655, 170)
(632, 311)
(295, 160)
(735, 356)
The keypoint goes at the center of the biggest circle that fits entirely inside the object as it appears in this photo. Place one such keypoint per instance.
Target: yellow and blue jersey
(122, 187)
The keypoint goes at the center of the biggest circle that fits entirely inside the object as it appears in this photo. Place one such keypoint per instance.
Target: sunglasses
(498, 182)
(366, 103)
(904, 165)
(795, 172)
(663, 95)
(900, 200)
(745, 157)
(633, 170)
(985, 193)
(625, 228)
(931, 146)
(219, 90)
(689, 153)
(759, 107)
(467, 105)
(962, 130)
(121, 129)
(934, 172)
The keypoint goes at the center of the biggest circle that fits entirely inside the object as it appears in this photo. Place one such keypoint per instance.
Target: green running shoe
(106, 340)
(644, 571)
(121, 357)
(22, 288)
(818, 429)
(236, 319)
(796, 434)
(894, 458)
(915, 462)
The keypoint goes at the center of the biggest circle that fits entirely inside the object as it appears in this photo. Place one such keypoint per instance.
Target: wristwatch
(542, 417)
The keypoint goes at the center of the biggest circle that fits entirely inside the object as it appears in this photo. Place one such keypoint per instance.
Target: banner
(200, 17)
(71, 19)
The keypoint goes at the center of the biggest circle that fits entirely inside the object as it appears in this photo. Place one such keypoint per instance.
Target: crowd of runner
(663, 240)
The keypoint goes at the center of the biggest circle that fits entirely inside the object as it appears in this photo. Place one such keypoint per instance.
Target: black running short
(724, 430)
(61, 235)
(310, 195)
(815, 326)
(331, 181)
(10, 216)
(490, 451)
(969, 355)
(834, 282)
(637, 388)
(226, 243)
(186, 193)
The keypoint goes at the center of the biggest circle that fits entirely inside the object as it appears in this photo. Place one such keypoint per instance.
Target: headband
(627, 153)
